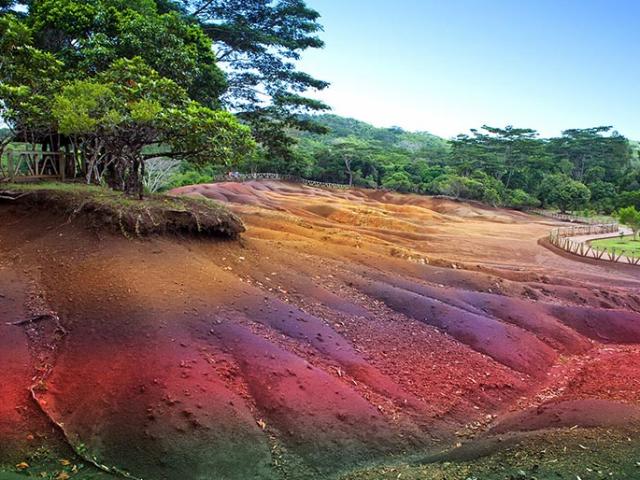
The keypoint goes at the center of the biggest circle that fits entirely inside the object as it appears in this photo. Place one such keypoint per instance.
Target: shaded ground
(345, 330)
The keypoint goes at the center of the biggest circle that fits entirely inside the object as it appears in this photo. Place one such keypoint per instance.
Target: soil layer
(346, 331)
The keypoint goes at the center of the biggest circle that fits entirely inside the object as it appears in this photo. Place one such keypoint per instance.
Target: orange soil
(345, 328)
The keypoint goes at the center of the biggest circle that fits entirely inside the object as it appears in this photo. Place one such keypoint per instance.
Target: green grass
(628, 245)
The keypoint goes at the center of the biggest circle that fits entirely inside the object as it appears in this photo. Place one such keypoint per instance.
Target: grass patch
(103, 208)
(627, 244)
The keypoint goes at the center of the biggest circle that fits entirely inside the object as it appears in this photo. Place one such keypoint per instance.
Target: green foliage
(112, 79)
(190, 176)
(129, 107)
(509, 154)
(500, 166)
(480, 188)
(631, 217)
(559, 190)
(258, 41)
(591, 150)
(82, 106)
(206, 136)
(28, 78)
(629, 199)
(88, 37)
(603, 196)
(520, 200)
(120, 80)
(398, 181)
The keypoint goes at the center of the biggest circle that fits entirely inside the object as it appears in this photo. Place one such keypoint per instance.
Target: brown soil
(346, 328)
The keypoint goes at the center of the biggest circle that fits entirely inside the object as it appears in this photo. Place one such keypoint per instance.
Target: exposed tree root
(11, 195)
(40, 318)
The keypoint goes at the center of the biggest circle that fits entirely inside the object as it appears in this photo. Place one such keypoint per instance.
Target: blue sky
(445, 66)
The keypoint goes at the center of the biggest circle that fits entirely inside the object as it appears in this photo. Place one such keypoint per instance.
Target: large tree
(110, 78)
(113, 117)
(258, 43)
(588, 148)
(511, 155)
(559, 190)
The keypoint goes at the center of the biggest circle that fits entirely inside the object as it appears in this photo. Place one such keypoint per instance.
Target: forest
(584, 169)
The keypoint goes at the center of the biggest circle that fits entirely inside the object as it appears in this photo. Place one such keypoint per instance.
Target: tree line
(591, 168)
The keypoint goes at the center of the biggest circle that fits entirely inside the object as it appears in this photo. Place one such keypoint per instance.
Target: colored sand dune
(346, 331)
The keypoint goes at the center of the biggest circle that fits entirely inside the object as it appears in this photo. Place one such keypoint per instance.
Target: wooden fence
(565, 217)
(245, 177)
(562, 238)
(21, 165)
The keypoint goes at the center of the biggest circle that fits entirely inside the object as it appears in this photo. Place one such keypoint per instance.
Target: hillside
(347, 331)
(422, 144)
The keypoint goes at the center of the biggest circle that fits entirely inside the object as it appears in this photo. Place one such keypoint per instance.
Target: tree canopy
(631, 217)
(110, 78)
(506, 166)
(257, 43)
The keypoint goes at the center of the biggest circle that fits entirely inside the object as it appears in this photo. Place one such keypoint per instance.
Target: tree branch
(203, 8)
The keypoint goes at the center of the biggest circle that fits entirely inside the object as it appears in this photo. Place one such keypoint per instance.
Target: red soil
(346, 327)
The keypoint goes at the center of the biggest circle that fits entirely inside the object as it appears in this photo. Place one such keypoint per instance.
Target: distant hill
(421, 144)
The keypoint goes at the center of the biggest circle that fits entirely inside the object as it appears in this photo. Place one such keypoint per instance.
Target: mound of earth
(103, 209)
(346, 329)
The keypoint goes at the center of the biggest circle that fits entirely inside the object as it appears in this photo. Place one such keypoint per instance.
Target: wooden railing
(566, 217)
(563, 238)
(34, 165)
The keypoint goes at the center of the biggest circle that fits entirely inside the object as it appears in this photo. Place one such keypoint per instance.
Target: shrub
(399, 181)
(520, 200)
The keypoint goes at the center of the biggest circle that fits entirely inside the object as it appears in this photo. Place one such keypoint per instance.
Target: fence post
(10, 164)
(62, 166)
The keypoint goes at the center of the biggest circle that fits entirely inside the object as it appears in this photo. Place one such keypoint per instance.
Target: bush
(629, 199)
(188, 178)
(602, 196)
(631, 217)
(559, 190)
(399, 181)
(520, 200)
(481, 187)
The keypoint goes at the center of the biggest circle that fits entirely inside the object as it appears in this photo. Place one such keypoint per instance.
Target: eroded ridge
(347, 328)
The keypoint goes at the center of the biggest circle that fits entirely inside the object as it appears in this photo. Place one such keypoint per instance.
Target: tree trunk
(347, 163)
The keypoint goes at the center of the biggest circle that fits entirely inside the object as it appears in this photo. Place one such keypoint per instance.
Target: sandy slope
(346, 328)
